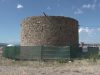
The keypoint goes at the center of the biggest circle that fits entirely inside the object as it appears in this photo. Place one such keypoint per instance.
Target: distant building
(85, 46)
(3, 44)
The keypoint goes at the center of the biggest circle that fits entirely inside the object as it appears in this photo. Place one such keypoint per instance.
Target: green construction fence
(93, 52)
(11, 52)
(37, 52)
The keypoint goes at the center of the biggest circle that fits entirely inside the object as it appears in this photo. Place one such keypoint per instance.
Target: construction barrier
(11, 52)
(37, 52)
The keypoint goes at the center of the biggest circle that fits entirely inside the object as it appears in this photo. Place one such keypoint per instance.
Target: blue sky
(12, 12)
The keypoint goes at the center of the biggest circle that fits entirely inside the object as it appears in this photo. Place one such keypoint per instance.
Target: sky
(87, 12)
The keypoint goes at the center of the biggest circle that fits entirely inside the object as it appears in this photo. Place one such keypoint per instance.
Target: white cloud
(90, 6)
(86, 6)
(89, 30)
(88, 34)
(78, 11)
(86, 29)
(19, 6)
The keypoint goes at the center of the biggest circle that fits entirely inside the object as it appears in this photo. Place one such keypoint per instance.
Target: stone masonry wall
(49, 30)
